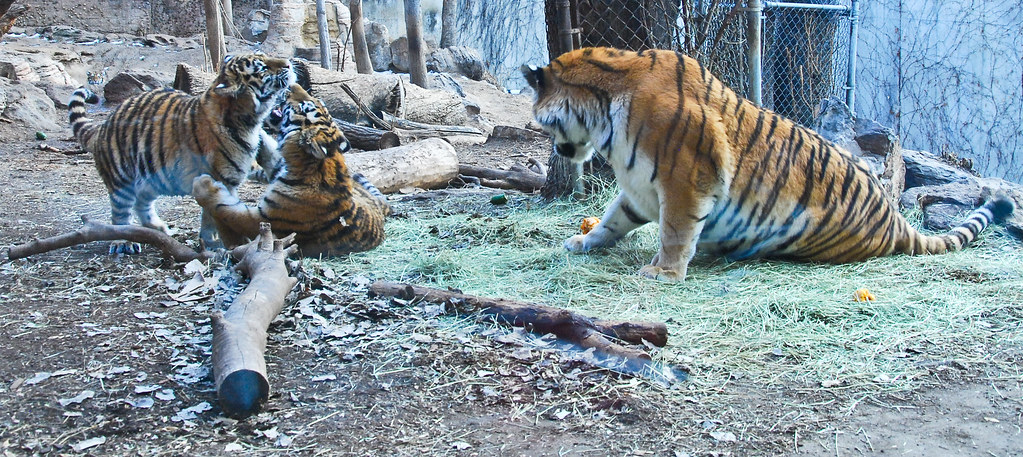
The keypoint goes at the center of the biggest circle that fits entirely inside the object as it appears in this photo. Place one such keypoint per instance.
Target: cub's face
(266, 76)
(306, 121)
(559, 113)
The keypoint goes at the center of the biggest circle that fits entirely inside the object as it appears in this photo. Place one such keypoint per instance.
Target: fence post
(854, 27)
(754, 48)
(564, 26)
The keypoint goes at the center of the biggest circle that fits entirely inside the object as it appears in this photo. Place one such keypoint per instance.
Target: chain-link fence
(805, 49)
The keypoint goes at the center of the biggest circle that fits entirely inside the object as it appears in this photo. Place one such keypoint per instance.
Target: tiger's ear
(533, 75)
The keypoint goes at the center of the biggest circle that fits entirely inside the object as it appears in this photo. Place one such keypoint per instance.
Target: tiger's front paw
(662, 274)
(125, 247)
(577, 243)
(207, 191)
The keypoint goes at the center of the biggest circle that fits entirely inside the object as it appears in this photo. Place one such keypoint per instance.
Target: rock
(399, 55)
(378, 41)
(944, 205)
(462, 60)
(68, 34)
(338, 22)
(516, 133)
(129, 83)
(876, 145)
(28, 65)
(28, 107)
(257, 22)
(926, 169)
(58, 93)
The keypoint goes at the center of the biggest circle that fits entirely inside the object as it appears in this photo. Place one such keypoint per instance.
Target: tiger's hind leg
(619, 219)
(121, 201)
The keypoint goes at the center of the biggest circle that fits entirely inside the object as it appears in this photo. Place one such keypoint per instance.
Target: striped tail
(359, 178)
(994, 210)
(77, 114)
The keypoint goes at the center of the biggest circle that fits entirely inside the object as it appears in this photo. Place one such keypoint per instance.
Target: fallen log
(411, 125)
(426, 164)
(94, 231)
(239, 334)
(368, 138)
(529, 178)
(581, 330)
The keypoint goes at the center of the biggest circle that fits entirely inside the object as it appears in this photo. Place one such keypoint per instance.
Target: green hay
(770, 320)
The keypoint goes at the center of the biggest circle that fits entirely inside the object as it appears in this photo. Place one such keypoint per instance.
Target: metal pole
(564, 26)
(321, 24)
(854, 27)
(754, 30)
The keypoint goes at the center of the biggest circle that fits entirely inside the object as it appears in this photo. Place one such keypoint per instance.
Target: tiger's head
(574, 97)
(265, 77)
(306, 123)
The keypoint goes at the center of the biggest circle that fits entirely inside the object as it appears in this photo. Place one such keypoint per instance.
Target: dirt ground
(106, 355)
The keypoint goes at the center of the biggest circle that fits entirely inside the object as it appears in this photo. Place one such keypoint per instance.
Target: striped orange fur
(717, 172)
(331, 211)
(157, 142)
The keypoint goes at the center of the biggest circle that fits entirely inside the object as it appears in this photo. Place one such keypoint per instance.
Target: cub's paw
(577, 244)
(662, 274)
(206, 190)
(124, 247)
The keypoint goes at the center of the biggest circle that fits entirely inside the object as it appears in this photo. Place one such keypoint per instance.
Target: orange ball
(588, 224)
(864, 295)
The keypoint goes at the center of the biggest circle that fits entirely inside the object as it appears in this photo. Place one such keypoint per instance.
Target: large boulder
(926, 169)
(28, 107)
(399, 54)
(378, 41)
(133, 82)
(461, 60)
(875, 144)
(944, 205)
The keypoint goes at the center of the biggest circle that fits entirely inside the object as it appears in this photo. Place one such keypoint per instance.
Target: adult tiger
(717, 171)
(331, 211)
(157, 142)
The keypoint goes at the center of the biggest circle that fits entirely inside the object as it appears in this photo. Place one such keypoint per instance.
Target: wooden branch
(368, 138)
(239, 335)
(586, 332)
(410, 125)
(94, 231)
(365, 109)
(530, 178)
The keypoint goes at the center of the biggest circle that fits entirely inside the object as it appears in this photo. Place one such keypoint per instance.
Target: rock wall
(137, 17)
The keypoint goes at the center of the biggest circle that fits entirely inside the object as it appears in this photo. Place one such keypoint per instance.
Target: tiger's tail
(993, 210)
(80, 122)
(364, 182)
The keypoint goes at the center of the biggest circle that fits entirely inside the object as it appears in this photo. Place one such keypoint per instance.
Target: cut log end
(243, 393)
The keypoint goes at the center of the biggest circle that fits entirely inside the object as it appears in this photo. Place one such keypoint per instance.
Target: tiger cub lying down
(332, 211)
(716, 171)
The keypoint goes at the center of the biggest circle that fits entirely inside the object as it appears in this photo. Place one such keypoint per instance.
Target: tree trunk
(214, 34)
(228, 16)
(321, 25)
(368, 138)
(361, 49)
(449, 23)
(239, 335)
(426, 164)
(414, 31)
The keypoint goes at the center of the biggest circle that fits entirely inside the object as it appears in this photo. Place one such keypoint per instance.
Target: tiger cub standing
(715, 170)
(331, 211)
(157, 142)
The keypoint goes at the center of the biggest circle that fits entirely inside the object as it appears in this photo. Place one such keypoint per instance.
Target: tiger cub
(332, 211)
(716, 171)
(157, 142)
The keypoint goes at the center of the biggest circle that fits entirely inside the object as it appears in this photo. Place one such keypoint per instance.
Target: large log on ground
(239, 334)
(426, 164)
(368, 138)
